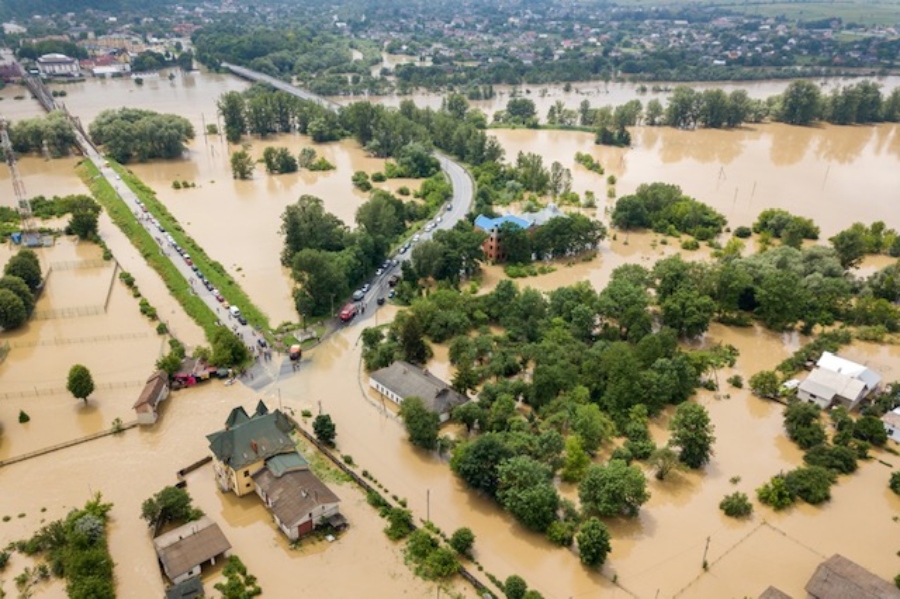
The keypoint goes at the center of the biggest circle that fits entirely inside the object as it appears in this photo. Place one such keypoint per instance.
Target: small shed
(839, 578)
(297, 499)
(183, 551)
(154, 392)
(189, 589)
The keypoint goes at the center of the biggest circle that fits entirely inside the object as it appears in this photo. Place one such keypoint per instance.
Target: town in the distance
(517, 300)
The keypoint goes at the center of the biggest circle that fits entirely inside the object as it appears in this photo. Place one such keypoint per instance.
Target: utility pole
(428, 504)
(705, 550)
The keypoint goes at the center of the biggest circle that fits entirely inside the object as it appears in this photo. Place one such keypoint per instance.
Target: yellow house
(242, 448)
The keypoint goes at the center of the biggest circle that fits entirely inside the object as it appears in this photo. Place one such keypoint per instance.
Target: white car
(379, 272)
(438, 219)
(416, 238)
(429, 227)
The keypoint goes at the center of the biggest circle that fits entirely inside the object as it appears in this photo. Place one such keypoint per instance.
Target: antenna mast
(22, 202)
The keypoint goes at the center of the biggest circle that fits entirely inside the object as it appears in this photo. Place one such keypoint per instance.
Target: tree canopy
(131, 134)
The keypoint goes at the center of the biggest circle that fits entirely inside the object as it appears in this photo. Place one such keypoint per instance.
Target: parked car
(295, 353)
(348, 312)
(242, 320)
(358, 295)
(394, 280)
(208, 285)
(379, 272)
(366, 287)
(262, 343)
(405, 248)
(449, 207)
(392, 294)
(416, 238)
(387, 264)
(380, 301)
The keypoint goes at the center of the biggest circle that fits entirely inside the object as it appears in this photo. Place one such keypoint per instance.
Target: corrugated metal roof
(826, 384)
(830, 361)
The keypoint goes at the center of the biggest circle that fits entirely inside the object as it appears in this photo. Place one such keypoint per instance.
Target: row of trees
(133, 134)
(559, 237)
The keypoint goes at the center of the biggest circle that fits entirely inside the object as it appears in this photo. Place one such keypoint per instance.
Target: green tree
(476, 462)
(514, 587)
(692, 433)
(25, 266)
(462, 540)
(870, 429)
(775, 493)
(20, 289)
(576, 460)
(525, 489)
(171, 505)
(323, 427)
(810, 483)
(801, 103)
(242, 163)
(13, 312)
(593, 543)
(80, 383)
(765, 383)
(238, 583)
(421, 424)
(411, 337)
(469, 414)
(850, 246)
(134, 134)
(232, 108)
(688, 312)
(801, 421)
(894, 482)
(615, 489)
(663, 460)
(228, 349)
(736, 505)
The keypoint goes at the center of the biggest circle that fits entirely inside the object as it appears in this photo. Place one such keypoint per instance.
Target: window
(246, 473)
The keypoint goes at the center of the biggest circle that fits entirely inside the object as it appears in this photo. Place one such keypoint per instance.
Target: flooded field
(84, 316)
(130, 467)
(835, 175)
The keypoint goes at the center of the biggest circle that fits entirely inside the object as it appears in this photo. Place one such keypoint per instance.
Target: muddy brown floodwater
(834, 175)
(130, 467)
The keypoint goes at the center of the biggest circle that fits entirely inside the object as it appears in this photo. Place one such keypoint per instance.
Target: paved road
(460, 203)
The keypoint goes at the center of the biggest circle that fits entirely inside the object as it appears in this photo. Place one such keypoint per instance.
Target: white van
(235, 311)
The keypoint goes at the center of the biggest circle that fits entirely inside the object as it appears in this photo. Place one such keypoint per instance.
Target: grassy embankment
(124, 218)
(211, 269)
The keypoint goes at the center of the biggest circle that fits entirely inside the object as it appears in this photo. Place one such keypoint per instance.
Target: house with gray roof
(838, 381)
(256, 454)
(297, 499)
(401, 380)
(183, 551)
(839, 578)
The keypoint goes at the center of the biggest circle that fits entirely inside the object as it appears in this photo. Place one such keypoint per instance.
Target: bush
(379, 177)
(403, 191)
(743, 232)
(324, 429)
(736, 381)
(23, 417)
(812, 484)
(736, 505)
(894, 483)
(400, 523)
(515, 587)
(838, 458)
(775, 493)
(561, 533)
(690, 245)
(462, 540)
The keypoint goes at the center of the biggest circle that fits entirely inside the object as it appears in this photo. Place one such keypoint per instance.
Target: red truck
(348, 312)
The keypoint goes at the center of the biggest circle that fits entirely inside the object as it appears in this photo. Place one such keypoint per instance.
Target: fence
(80, 264)
(76, 340)
(37, 392)
(57, 447)
(70, 312)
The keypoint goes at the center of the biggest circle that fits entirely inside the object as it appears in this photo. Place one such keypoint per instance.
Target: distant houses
(255, 454)
(838, 381)
(182, 552)
(839, 578)
(401, 380)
